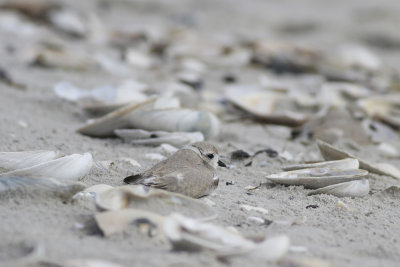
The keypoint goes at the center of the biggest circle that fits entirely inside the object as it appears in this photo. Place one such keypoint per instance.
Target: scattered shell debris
(130, 83)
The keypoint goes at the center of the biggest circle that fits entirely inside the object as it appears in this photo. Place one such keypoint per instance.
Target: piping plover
(190, 171)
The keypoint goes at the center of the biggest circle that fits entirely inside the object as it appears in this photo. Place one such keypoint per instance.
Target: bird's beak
(221, 164)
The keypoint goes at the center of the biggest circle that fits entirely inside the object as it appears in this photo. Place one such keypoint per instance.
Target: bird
(189, 171)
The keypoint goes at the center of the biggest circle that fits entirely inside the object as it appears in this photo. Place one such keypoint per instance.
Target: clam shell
(154, 200)
(330, 152)
(347, 163)
(37, 188)
(25, 159)
(63, 59)
(383, 107)
(117, 221)
(317, 177)
(357, 188)
(261, 104)
(177, 139)
(145, 116)
(70, 167)
(188, 234)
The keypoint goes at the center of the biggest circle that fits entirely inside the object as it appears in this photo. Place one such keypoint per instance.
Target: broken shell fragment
(62, 58)
(148, 117)
(143, 137)
(348, 163)
(188, 234)
(68, 22)
(72, 167)
(383, 107)
(262, 105)
(317, 177)
(37, 188)
(117, 221)
(357, 188)
(154, 200)
(25, 159)
(104, 99)
(330, 152)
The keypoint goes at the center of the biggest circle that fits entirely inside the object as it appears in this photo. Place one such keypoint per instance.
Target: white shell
(186, 233)
(117, 221)
(36, 188)
(261, 104)
(103, 99)
(25, 159)
(317, 177)
(383, 107)
(68, 21)
(154, 200)
(348, 163)
(146, 116)
(330, 152)
(357, 188)
(177, 139)
(62, 58)
(70, 167)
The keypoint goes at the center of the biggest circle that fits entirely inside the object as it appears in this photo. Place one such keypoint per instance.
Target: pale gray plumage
(190, 171)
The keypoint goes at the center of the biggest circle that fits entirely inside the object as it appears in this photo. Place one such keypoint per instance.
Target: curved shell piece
(177, 139)
(383, 107)
(149, 116)
(316, 177)
(154, 200)
(348, 163)
(25, 159)
(117, 221)
(330, 152)
(36, 188)
(357, 188)
(188, 234)
(70, 167)
(262, 104)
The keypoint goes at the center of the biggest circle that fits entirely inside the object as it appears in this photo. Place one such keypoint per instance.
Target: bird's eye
(210, 156)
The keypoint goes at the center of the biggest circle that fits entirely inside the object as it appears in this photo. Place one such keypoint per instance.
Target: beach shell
(383, 107)
(68, 22)
(111, 222)
(188, 234)
(104, 99)
(139, 59)
(330, 152)
(37, 188)
(317, 177)
(154, 200)
(348, 163)
(143, 137)
(148, 116)
(379, 132)
(72, 167)
(262, 105)
(25, 159)
(62, 58)
(357, 188)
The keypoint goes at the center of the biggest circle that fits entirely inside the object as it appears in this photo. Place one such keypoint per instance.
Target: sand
(366, 233)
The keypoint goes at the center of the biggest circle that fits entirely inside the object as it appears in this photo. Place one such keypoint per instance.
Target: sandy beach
(362, 232)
